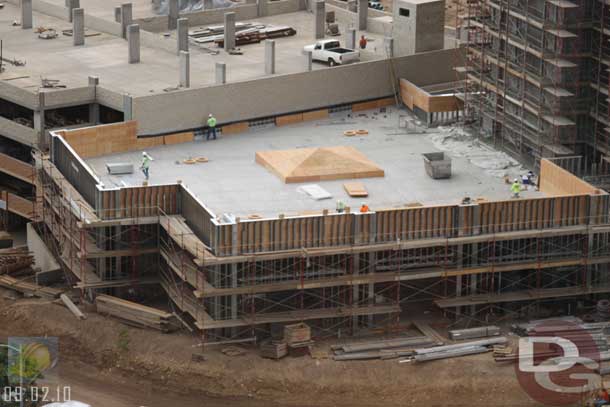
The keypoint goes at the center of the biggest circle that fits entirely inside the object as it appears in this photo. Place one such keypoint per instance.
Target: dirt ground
(157, 370)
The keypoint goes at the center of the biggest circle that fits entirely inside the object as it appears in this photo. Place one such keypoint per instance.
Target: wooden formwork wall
(555, 180)
(294, 233)
(537, 213)
(138, 201)
(413, 96)
(415, 223)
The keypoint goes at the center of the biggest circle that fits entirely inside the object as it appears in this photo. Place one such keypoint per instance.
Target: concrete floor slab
(105, 56)
(231, 182)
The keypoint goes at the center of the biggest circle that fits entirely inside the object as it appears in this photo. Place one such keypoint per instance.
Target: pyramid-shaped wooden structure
(318, 164)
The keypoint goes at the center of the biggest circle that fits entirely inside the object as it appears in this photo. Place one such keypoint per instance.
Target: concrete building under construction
(225, 232)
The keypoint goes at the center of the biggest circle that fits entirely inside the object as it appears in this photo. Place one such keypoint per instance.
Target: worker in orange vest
(364, 208)
(362, 42)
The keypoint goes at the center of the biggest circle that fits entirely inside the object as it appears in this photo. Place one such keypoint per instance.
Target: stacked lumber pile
(27, 288)
(15, 259)
(473, 333)
(274, 349)
(381, 349)
(298, 339)
(136, 314)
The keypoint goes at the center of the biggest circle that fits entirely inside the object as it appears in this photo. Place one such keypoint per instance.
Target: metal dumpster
(438, 166)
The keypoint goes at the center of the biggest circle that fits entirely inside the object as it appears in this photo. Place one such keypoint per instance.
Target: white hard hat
(516, 180)
(144, 153)
(210, 115)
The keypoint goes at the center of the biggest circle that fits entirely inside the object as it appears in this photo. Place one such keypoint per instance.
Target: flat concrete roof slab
(232, 182)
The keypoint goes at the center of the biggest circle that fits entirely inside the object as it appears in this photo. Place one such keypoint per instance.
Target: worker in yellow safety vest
(515, 188)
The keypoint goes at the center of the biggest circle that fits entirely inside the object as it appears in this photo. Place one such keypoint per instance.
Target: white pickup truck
(330, 51)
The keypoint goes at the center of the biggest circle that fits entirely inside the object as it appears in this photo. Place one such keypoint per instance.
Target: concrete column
(94, 108)
(269, 57)
(78, 26)
(26, 14)
(319, 19)
(308, 60)
(229, 31)
(127, 107)
(172, 17)
(133, 43)
(350, 40)
(185, 69)
(363, 13)
(183, 34)
(39, 122)
(126, 17)
(261, 8)
(208, 5)
(117, 14)
(221, 73)
(388, 43)
(72, 4)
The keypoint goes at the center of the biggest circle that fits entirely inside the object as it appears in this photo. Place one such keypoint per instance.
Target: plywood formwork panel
(235, 128)
(316, 115)
(288, 119)
(359, 107)
(17, 168)
(554, 180)
(318, 164)
(178, 138)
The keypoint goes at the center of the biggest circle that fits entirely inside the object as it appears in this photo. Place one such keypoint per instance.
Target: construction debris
(72, 307)
(245, 33)
(51, 83)
(297, 333)
(15, 259)
(471, 333)
(29, 288)
(451, 351)
(46, 33)
(136, 314)
(70, 33)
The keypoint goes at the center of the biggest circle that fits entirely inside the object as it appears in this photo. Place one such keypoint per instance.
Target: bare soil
(157, 370)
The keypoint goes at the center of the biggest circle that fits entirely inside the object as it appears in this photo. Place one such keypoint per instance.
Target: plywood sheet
(554, 180)
(147, 142)
(318, 164)
(359, 107)
(178, 138)
(235, 128)
(355, 189)
(316, 115)
(288, 119)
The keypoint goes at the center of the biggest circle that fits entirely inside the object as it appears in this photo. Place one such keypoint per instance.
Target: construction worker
(525, 181)
(515, 188)
(211, 127)
(602, 398)
(146, 159)
(363, 42)
(364, 208)
(340, 206)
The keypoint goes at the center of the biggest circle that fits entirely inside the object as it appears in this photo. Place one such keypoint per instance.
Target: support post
(133, 43)
(350, 41)
(319, 19)
(39, 122)
(269, 57)
(127, 104)
(221, 73)
(94, 108)
(363, 13)
(308, 60)
(185, 69)
(126, 17)
(183, 34)
(72, 4)
(229, 40)
(78, 26)
(261, 8)
(117, 14)
(26, 14)
(172, 17)
(388, 43)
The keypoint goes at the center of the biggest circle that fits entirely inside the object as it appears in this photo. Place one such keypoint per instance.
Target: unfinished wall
(554, 180)
(17, 168)
(413, 96)
(18, 132)
(378, 22)
(284, 94)
(116, 138)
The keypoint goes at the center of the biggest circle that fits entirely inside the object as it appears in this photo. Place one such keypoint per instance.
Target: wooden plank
(288, 119)
(316, 115)
(355, 189)
(235, 128)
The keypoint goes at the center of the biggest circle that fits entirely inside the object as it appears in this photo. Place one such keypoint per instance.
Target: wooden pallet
(136, 314)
